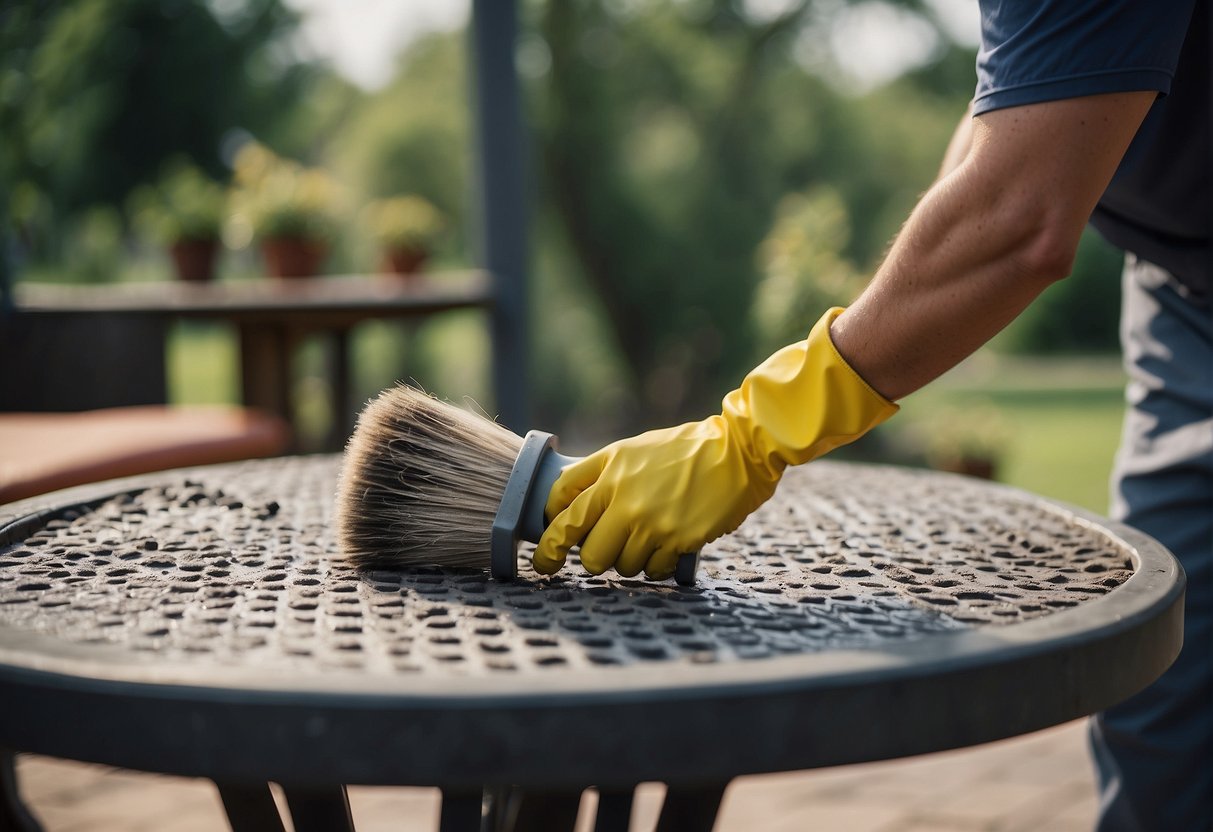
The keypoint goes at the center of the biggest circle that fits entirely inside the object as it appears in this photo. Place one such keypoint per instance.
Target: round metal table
(206, 625)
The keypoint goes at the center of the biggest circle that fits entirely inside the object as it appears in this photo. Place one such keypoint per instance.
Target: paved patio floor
(1041, 782)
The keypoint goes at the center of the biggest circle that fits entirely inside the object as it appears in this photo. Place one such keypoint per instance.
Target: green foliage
(803, 269)
(94, 246)
(668, 135)
(882, 151)
(185, 204)
(404, 222)
(276, 197)
(652, 148)
(412, 136)
(97, 95)
(31, 214)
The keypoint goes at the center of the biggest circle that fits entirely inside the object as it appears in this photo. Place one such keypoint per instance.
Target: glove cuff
(802, 402)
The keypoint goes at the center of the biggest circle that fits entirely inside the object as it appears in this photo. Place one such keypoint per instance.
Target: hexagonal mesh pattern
(236, 566)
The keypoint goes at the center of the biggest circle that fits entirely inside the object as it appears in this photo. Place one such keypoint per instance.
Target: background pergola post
(501, 201)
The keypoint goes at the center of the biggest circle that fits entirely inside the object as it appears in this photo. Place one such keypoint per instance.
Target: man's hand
(642, 502)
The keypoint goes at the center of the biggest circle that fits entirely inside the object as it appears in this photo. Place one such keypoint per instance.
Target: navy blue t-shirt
(1159, 204)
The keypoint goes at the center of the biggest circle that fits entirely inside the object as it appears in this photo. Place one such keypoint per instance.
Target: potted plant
(966, 440)
(405, 228)
(184, 212)
(291, 209)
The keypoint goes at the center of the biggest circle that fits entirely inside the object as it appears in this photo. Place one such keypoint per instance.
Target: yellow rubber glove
(641, 502)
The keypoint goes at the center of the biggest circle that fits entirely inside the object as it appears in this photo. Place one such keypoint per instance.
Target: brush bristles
(421, 483)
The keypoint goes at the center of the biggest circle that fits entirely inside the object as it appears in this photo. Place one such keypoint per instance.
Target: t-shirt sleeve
(1044, 50)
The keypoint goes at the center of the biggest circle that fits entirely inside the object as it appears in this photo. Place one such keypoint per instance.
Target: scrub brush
(425, 482)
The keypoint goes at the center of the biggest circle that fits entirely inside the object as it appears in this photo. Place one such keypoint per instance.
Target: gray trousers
(1154, 752)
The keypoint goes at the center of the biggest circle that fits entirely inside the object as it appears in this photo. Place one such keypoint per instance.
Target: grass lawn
(1059, 419)
(203, 363)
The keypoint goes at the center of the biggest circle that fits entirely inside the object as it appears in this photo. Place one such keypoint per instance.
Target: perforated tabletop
(205, 622)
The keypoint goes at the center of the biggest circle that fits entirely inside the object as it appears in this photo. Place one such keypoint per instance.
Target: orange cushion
(41, 452)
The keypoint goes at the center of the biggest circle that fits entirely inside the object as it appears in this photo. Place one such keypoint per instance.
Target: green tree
(803, 269)
(96, 95)
(652, 140)
(668, 133)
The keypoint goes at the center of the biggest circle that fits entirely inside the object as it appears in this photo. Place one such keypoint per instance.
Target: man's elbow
(1022, 223)
(1039, 233)
(1046, 253)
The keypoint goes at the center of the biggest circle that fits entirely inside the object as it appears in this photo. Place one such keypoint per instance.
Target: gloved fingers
(567, 529)
(573, 480)
(549, 558)
(636, 552)
(601, 547)
(662, 563)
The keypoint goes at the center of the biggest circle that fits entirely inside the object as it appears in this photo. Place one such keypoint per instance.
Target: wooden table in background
(272, 317)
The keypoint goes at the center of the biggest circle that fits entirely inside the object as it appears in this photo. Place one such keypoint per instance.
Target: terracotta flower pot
(404, 260)
(293, 256)
(194, 260)
(982, 467)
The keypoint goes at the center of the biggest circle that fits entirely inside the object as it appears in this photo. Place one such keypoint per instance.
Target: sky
(871, 41)
(363, 37)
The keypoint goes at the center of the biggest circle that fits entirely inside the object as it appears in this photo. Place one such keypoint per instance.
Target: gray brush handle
(550, 465)
(521, 514)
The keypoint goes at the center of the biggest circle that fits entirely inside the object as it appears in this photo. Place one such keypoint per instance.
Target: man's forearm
(955, 276)
(987, 238)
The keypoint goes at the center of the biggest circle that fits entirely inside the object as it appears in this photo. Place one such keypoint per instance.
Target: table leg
(614, 810)
(320, 810)
(265, 369)
(250, 808)
(14, 816)
(690, 808)
(461, 811)
(552, 811)
(341, 414)
(499, 807)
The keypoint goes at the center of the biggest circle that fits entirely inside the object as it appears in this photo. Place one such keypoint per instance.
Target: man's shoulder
(1043, 50)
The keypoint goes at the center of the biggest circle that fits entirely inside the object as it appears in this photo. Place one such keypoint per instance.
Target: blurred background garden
(706, 176)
